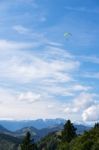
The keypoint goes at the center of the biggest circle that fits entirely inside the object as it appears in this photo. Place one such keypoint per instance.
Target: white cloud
(29, 97)
(26, 67)
(54, 44)
(51, 73)
(84, 100)
(91, 113)
(27, 105)
(6, 45)
(66, 90)
(59, 53)
(94, 75)
(84, 107)
(51, 106)
(80, 103)
(79, 87)
(48, 72)
(22, 30)
(91, 59)
(18, 70)
(6, 96)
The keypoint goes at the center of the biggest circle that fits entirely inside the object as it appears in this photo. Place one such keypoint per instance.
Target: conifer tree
(69, 132)
(96, 125)
(28, 144)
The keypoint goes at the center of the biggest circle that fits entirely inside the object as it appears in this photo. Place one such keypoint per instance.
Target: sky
(44, 74)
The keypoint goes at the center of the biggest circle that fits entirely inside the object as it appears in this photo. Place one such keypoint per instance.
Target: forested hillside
(68, 140)
(8, 142)
(65, 139)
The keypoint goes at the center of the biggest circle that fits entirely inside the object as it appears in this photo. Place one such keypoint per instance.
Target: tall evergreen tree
(69, 132)
(28, 144)
(96, 125)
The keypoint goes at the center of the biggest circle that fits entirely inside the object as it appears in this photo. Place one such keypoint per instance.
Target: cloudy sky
(44, 74)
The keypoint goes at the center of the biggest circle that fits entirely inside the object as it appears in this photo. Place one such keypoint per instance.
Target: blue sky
(44, 74)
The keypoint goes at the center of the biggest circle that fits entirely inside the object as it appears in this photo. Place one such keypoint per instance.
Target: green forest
(67, 139)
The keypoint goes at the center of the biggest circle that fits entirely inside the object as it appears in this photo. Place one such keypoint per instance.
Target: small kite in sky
(67, 34)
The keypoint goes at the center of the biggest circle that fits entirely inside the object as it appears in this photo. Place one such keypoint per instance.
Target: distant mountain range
(39, 123)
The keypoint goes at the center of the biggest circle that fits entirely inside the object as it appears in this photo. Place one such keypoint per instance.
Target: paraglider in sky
(67, 35)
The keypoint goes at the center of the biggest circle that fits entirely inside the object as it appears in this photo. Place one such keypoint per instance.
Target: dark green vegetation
(69, 132)
(28, 143)
(61, 141)
(8, 142)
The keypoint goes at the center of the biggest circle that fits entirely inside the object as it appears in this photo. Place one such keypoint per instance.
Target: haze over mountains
(39, 123)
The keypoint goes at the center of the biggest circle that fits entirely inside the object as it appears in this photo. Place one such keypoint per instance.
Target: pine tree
(69, 132)
(96, 125)
(28, 144)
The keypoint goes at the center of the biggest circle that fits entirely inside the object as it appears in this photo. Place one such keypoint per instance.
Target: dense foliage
(88, 141)
(28, 144)
(49, 142)
(69, 132)
(8, 142)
